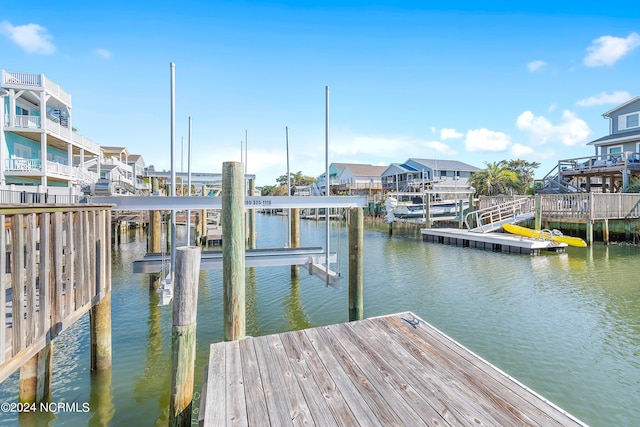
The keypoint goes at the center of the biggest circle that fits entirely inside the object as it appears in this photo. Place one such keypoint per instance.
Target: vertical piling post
(460, 213)
(295, 238)
(589, 232)
(100, 313)
(356, 239)
(35, 377)
(100, 334)
(252, 217)
(183, 334)
(538, 212)
(155, 244)
(605, 231)
(427, 211)
(233, 251)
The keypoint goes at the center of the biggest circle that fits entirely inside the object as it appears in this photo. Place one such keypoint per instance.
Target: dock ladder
(492, 217)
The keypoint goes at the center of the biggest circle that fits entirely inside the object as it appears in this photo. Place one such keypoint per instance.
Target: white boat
(411, 205)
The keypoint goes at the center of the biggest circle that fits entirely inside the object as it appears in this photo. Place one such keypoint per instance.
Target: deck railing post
(356, 243)
(233, 251)
(183, 334)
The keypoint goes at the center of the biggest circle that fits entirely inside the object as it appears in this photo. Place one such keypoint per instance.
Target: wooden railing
(55, 264)
(580, 207)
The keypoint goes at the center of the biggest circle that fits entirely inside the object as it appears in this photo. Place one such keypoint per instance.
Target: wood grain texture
(392, 370)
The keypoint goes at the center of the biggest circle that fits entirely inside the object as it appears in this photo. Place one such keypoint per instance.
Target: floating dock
(494, 241)
(394, 370)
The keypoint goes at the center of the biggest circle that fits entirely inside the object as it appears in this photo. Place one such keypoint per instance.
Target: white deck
(493, 241)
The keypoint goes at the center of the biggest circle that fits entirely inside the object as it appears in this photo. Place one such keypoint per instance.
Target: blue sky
(475, 83)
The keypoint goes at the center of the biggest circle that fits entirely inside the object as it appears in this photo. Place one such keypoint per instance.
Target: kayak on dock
(554, 235)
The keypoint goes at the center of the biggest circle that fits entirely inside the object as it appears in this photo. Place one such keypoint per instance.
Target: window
(21, 151)
(21, 111)
(628, 121)
(616, 149)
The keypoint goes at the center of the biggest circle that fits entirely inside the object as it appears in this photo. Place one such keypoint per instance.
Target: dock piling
(233, 251)
(356, 242)
(295, 237)
(183, 334)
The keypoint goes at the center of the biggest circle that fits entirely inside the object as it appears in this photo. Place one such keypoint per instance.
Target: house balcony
(31, 127)
(603, 164)
(33, 168)
(30, 81)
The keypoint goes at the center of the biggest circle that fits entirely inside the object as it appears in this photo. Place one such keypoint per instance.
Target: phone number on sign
(257, 202)
(52, 407)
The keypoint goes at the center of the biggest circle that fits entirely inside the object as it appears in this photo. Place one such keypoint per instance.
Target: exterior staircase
(491, 218)
(555, 183)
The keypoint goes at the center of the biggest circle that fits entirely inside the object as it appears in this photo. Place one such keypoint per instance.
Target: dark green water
(566, 325)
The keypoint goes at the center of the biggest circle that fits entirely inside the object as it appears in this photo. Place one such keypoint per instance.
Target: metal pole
(326, 164)
(189, 184)
(288, 190)
(173, 169)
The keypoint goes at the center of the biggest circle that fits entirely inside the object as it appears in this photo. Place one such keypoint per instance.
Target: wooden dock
(499, 242)
(395, 370)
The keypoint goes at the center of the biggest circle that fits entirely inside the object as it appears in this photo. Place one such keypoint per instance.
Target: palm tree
(496, 179)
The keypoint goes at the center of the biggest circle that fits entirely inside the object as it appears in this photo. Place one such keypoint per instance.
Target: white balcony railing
(30, 80)
(58, 129)
(35, 122)
(85, 142)
(58, 169)
(29, 122)
(22, 165)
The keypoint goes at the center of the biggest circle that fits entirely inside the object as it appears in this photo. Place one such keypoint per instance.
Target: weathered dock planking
(394, 370)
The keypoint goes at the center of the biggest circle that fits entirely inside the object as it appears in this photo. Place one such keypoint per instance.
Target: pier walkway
(386, 371)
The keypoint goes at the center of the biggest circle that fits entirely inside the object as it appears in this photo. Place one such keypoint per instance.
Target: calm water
(566, 325)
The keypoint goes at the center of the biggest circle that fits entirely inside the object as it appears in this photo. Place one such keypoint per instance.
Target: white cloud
(450, 134)
(605, 98)
(485, 140)
(519, 151)
(607, 50)
(534, 66)
(440, 148)
(31, 37)
(104, 53)
(572, 131)
(370, 145)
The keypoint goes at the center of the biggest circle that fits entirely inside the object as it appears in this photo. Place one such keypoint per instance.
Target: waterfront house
(119, 172)
(350, 178)
(414, 175)
(360, 179)
(615, 162)
(40, 148)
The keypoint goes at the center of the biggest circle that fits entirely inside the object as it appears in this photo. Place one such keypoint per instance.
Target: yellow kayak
(555, 235)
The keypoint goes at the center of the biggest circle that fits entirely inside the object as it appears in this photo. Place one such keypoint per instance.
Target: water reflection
(100, 398)
(296, 316)
(154, 382)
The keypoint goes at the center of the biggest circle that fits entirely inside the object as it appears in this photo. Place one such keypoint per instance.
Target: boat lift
(309, 258)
